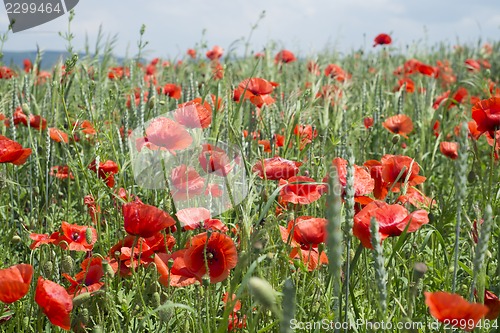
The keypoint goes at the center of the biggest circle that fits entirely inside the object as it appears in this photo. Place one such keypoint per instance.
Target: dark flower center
(75, 235)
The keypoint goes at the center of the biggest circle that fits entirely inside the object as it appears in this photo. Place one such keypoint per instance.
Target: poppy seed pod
(67, 264)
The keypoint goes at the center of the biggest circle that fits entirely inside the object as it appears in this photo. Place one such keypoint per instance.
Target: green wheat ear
(380, 272)
(288, 305)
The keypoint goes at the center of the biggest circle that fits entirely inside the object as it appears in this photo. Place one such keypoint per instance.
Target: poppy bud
(419, 270)
(471, 177)
(432, 217)
(108, 270)
(81, 298)
(170, 263)
(67, 264)
(321, 247)
(151, 102)
(395, 139)
(156, 300)
(48, 268)
(88, 236)
(15, 239)
(97, 329)
(26, 108)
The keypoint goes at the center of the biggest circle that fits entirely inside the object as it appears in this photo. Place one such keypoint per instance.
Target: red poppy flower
(284, 56)
(449, 149)
(130, 256)
(298, 190)
(494, 140)
(27, 65)
(145, 220)
(217, 253)
(486, 114)
(407, 83)
(493, 303)
(444, 72)
(304, 234)
(382, 39)
(363, 182)
(266, 144)
(306, 231)
(306, 134)
(392, 221)
(12, 152)
(88, 279)
(191, 53)
(215, 225)
(191, 218)
(172, 90)
(457, 98)
(55, 302)
(58, 135)
(276, 168)
(368, 122)
(336, 72)
(215, 53)
(256, 86)
(15, 282)
(193, 115)
(87, 128)
(169, 134)
(37, 122)
(472, 65)
(426, 70)
(313, 67)
(392, 167)
(61, 172)
(178, 275)
(186, 183)
(415, 198)
(399, 124)
(93, 209)
(381, 188)
(118, 72)
(107, 170)
(452, 308)
(214, 160)
(279, 140)
(257, 90)
(217, 70)
(75, 237)
(19, 118)
(39, 239)
(137, 96)
(311, 257)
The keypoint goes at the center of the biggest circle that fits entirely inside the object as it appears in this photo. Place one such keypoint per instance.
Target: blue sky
(303, 26)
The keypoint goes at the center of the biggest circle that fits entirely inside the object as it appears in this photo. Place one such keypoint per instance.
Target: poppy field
(270, 192)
